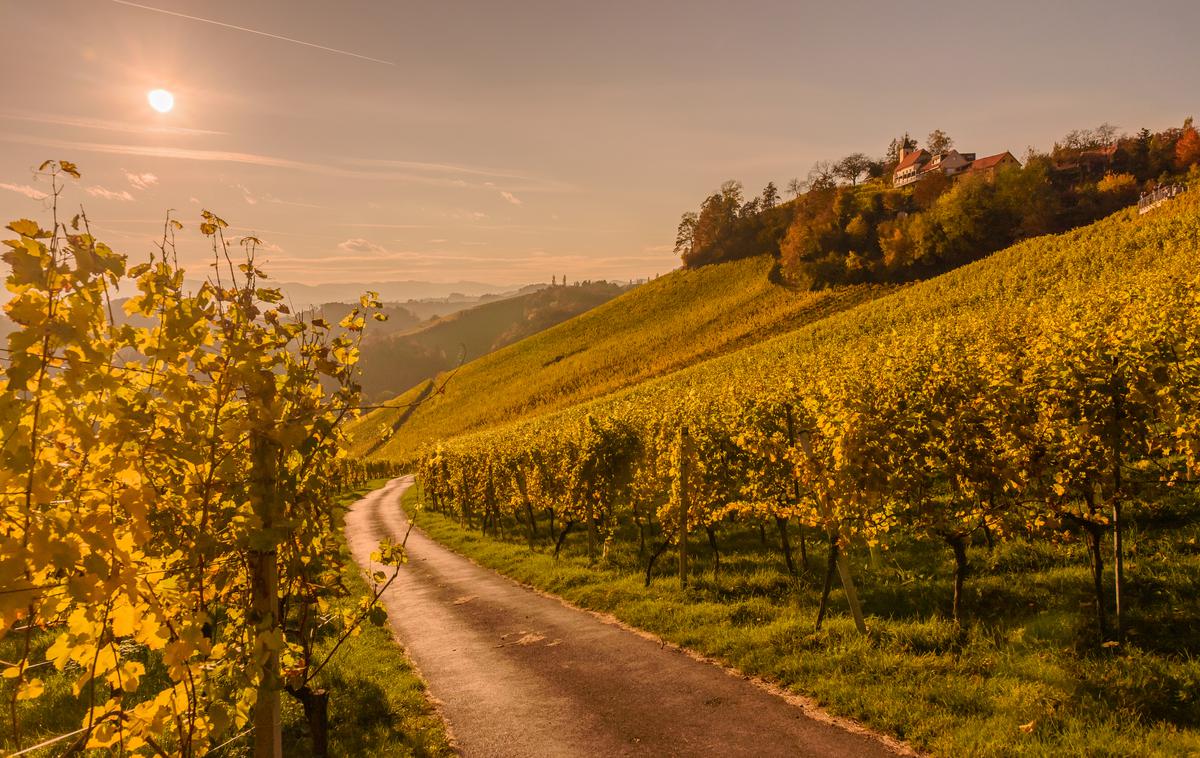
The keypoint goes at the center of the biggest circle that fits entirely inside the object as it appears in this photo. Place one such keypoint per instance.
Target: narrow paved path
(521, 674)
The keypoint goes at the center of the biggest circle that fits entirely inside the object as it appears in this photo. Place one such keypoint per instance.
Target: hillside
(653, 322)
(999, 464)
(664, 325)
(395, 360)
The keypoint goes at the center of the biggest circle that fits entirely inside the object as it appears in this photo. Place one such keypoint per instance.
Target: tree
(821, 176)
(796, 187)
(852, 167)
(901, 143)
(938, 142)
(712, 232)
(1187, 149)
(685, 236)
(1106, 133)
(928, 190)
(731, 193)
(770, 196)
(750, 208)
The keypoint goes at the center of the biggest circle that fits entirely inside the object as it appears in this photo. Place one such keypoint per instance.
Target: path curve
(518, 673)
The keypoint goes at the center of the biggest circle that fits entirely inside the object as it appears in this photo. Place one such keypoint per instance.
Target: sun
(161, 100)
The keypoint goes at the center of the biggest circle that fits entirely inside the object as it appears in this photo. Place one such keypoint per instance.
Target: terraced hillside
(667, 324)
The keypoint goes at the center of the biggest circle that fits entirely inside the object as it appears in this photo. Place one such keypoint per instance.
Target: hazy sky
(511, 141)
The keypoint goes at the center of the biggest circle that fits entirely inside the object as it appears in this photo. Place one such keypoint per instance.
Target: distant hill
(402, 316)
(399, 318)
(428, 308)
(392, 361)
(310, 295)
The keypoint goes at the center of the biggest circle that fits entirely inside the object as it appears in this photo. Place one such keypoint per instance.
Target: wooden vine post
(843, 565)
(851, 592)
(1118, 551)
(685, 445)
(523, 489)
(264, 589)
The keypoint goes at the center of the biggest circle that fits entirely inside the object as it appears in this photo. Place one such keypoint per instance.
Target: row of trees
(1029, 422)
(166, 485)
(837, 230)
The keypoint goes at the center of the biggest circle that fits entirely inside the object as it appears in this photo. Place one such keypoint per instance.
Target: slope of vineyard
(661, 326)
(996, 288)
(688, 316)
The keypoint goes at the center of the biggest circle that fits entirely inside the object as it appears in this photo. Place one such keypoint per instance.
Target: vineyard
(1047, 397)
(170, 557)
(662, 326)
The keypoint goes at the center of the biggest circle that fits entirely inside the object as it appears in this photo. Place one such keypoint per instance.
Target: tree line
(846, 224)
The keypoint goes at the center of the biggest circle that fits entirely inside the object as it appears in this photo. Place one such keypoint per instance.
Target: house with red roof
(993, 163)
(911, 165)
(915, 165)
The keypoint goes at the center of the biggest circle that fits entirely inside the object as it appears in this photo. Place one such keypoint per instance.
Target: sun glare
(161, 100)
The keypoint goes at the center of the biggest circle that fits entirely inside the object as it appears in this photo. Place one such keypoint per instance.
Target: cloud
(510, 197)
(80, 122)
(449, 168)
(194, 200)
(360, 245)
(392, 171)
(391, 226)
(140, 181)
(26, 190)
(108, 194)
(253, 198)
(268, 247)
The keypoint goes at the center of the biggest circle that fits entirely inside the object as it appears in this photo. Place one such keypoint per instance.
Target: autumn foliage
(166, 487)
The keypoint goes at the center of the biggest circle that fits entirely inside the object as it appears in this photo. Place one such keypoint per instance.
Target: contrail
(254, 31)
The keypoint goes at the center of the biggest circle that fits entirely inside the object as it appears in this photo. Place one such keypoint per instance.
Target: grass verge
(1024, 676)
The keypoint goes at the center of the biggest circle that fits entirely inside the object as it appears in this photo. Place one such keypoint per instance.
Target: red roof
(912, 159)
(983, 164)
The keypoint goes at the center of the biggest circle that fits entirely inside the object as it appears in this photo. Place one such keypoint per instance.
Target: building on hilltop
(993, 163)
(915, 165)
(1093, 162)
(908, 170)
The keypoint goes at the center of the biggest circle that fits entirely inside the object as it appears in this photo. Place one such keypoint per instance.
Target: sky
(509, 142)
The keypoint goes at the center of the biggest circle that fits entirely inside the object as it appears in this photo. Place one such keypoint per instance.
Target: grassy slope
(392, 363)
(659, 327)
(377, 703)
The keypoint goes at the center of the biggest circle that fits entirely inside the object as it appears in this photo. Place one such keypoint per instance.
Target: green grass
(1027, 654)
(662, 326)
(377, 703)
